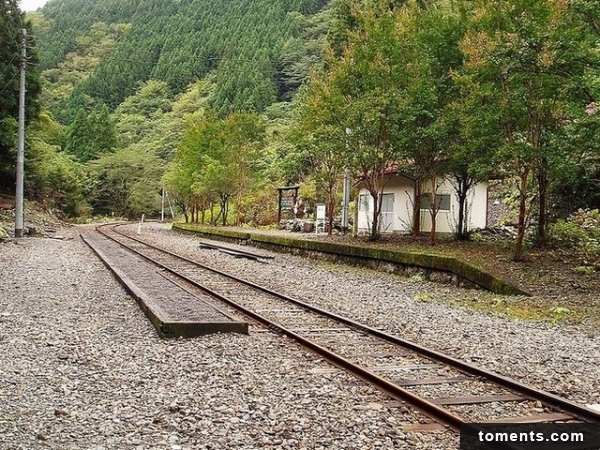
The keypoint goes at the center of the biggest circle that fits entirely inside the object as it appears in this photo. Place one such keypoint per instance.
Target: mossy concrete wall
(436, 268)
(218, 234)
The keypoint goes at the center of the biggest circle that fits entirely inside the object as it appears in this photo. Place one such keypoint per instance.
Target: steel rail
(431, 410)
(578, 411)
(241, 252)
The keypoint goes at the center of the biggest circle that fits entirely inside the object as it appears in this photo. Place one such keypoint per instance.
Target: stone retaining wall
(443, 269)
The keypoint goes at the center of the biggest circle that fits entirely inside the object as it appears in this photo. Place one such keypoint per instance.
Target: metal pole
(162, 206)
(346, 200)
(170, 205)
(346, 190)
(21, 143)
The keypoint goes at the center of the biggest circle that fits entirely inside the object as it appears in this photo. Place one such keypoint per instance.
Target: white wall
(401, 188)
(446, 220)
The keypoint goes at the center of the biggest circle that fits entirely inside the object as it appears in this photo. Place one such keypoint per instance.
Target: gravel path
(560, 359)
(82, 368)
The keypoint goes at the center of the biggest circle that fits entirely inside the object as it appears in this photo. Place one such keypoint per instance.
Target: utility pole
(21, 142)
(346, 188)
(162, 206)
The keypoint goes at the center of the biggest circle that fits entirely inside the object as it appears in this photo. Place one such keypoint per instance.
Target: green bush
(580, 234)
(564, 234)
(476, 237)
(584, 270)
(588, 220)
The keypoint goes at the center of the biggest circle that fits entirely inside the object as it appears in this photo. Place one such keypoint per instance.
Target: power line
(26, 60)
(8, 83)
(10, 62)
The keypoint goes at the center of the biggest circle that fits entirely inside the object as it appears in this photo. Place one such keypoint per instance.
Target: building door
(386, 224)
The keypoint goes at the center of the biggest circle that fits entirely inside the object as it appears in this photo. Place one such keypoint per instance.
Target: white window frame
(439, 198)
(364, 202)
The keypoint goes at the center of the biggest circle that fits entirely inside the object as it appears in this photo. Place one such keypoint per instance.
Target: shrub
(588, 220)
(476, 237)
(584, 270)
(422, 297)
(580, 234)
(566, 234)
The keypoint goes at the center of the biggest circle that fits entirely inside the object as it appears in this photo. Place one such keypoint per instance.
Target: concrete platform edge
(165, 328)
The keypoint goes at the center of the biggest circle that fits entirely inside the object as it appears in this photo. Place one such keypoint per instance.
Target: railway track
(404, 370)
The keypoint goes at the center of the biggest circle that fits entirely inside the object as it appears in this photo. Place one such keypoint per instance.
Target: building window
(442, 200)
(363, 202)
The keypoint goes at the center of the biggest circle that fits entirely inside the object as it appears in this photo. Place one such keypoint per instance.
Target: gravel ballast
(561, 359)
(82, 367)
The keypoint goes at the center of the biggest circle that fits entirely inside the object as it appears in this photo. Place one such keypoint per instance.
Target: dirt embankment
(36, 220)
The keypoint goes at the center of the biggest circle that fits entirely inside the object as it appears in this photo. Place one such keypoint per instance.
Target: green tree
(126, 183)
(53, 177)
(178, 181)
(11, 24)
(59, 94)
(389, 88)
(245, 138)
(533, 58)
(178, 43)
(321, 139)
(472, 149)
(219, 157)
(430, 35)
(91, 135)
(371, 79)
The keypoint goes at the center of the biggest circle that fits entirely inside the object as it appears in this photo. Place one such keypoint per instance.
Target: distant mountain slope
(247, 43)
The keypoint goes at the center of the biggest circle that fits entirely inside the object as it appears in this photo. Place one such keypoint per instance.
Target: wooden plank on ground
(540, 418)
(432, 381)
(478, 400)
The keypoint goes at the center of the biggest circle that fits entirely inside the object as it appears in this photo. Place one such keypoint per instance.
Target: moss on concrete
(212, 231)
(426, 261)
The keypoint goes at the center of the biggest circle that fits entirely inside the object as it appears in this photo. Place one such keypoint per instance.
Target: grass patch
(422, 297)
(525, 309)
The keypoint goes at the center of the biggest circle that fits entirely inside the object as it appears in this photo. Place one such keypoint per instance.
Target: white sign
(321, 212)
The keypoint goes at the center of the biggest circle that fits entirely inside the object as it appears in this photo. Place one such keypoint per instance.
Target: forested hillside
(221, 102)
(252, 47)
(129, 86)
(11, 38)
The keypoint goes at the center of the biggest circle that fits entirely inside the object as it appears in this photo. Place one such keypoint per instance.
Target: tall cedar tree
(179, 42)
(11, 23)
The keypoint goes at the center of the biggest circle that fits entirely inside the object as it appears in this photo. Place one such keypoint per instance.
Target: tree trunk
(522, 215)
(330, 208)
(216, 219)
(433, 210)
(462, 188)
(376, 209)
(416, 219)
(224, 206)
(461, 232)
(542, 178)
(238, 202)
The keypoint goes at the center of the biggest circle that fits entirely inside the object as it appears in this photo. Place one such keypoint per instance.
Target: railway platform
(173, 310)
